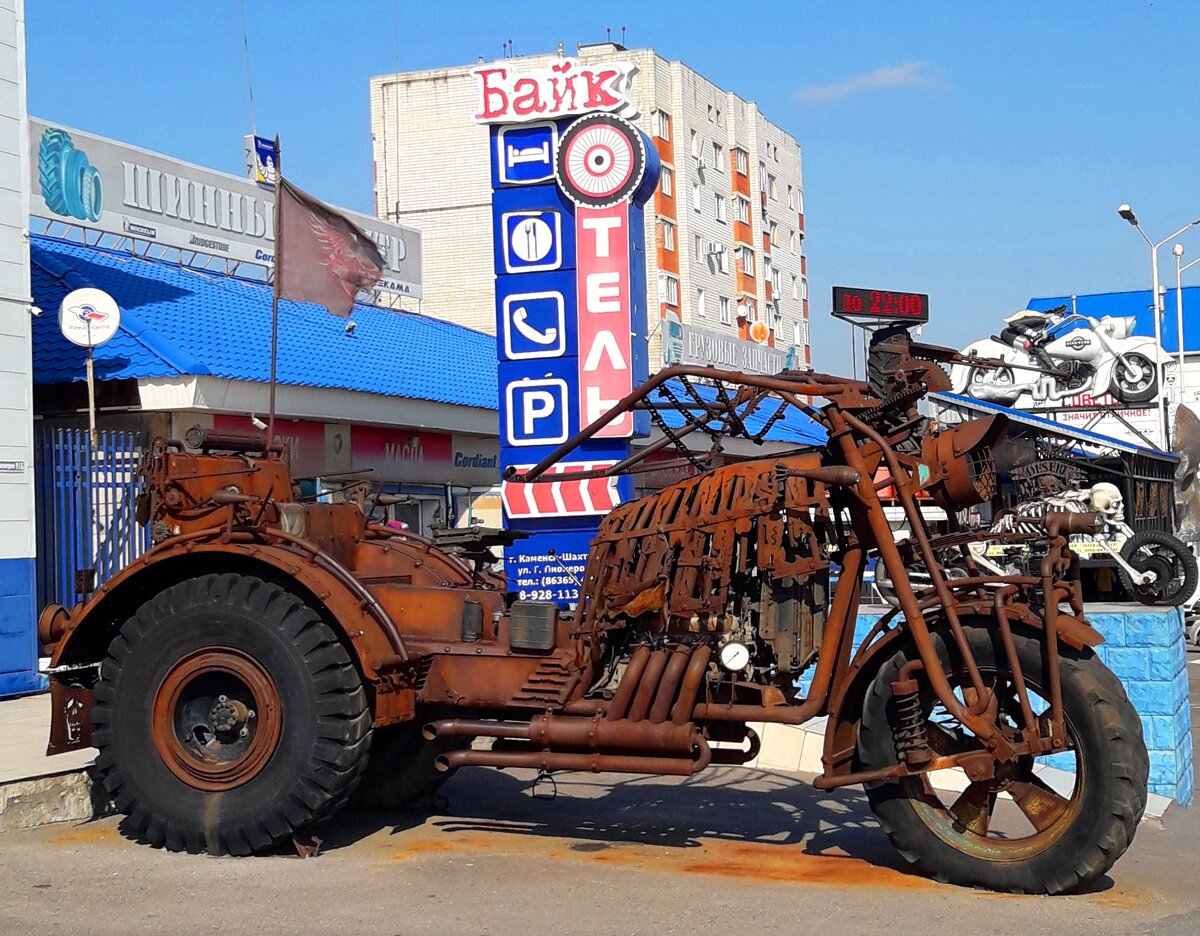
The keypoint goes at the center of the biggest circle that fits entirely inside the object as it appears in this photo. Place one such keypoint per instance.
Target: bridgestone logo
(210, 244)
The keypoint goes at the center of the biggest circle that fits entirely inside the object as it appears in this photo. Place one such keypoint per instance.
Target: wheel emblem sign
(601, 161)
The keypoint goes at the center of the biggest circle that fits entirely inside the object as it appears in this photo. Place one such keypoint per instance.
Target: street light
(1180, 266)
(1126, 212)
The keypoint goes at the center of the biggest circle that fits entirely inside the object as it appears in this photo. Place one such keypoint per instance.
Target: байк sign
(563, 89)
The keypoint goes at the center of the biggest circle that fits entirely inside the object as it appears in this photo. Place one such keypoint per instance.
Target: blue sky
(973, 151)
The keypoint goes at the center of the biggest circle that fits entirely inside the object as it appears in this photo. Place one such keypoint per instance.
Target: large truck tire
(228, 717)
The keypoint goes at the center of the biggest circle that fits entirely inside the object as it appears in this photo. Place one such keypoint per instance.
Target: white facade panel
(16, 381)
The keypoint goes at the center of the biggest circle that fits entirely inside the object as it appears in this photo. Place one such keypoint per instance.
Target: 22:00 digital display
(880, 303)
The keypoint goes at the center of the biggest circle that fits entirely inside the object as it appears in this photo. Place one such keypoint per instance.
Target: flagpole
(275, 291)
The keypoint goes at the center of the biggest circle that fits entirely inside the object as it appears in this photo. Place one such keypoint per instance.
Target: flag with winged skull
(321, 256)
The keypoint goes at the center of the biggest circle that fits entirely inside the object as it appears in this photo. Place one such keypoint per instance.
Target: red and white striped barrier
(561, 498)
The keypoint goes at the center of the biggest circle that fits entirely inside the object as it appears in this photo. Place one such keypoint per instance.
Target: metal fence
(86, 505)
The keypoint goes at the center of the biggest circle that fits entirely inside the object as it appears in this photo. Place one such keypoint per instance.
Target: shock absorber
(908, 729)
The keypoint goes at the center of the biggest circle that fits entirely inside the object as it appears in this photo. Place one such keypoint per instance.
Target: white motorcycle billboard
(1056, 355)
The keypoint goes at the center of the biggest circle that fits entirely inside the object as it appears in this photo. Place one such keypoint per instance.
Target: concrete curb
(62, 797)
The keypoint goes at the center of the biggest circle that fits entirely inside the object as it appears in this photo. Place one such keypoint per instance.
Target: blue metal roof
(179, 321)
(1138, 304)
(1025, 418)
(795, 427)
(176, 321)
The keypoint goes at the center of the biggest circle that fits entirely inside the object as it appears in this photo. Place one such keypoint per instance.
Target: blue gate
(86, 504)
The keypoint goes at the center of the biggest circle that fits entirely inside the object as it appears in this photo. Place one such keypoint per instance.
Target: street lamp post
(1126, 212)
(1180, 266)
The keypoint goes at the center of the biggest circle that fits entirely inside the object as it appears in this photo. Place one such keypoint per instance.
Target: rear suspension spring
(908, 729)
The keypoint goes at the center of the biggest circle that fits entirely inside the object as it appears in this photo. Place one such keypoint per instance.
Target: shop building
(726, 224)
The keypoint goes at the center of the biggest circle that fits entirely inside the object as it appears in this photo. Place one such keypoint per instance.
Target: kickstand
(544, 778)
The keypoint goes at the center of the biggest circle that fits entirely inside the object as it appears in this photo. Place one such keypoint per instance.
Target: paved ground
(732, 850)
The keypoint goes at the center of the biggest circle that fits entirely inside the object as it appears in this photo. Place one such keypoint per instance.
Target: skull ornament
(1107, 500)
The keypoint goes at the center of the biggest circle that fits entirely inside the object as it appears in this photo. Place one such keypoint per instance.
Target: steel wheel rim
(953, 825)
(1131, 380)
(216, 719)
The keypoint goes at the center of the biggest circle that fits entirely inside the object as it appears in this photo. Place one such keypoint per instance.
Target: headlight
(962, 467)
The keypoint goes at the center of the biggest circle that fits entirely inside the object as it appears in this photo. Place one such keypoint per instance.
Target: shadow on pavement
(728, 804)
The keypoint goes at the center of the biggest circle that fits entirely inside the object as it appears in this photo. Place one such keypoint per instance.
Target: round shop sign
(88, 317)
(601, 161)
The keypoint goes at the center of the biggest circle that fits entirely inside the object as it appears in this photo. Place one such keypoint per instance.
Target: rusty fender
(846, 700)
(78, 639)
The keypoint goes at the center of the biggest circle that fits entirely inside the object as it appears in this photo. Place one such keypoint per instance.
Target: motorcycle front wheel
(1014, 831)
(1173, 565)
(1135, 378)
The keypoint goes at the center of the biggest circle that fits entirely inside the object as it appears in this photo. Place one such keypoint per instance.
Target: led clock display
(880, 303)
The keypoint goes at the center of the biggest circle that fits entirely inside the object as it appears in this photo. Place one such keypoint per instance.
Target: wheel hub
(216, 719)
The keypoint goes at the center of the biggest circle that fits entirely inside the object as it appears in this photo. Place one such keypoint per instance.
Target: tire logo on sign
(70, 184)
(601, 161)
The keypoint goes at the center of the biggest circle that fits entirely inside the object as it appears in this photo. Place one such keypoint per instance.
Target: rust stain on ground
(85, 833)
(757, 861)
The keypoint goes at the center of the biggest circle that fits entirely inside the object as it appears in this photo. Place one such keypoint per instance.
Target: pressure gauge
(735, 656)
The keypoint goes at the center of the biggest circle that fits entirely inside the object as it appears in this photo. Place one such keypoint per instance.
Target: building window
(726, 315)
(800, 332)
(792, 241)
(719, 201)
(774, 317)
(772, 187)
(746, 259)
(712, 113)
(776, 280)
(668, 236)
(742, 207)
(694, 142)
(722, 259)
(803, 288)
(762, 176)
(774, 233)
(695, 196)
(660, 123)
(743, 161)
(697, 247)
(718, 157)
(791, 198)
(720, 119)
(700, 310)
(668, 181)
(795, 287)
(670, 291)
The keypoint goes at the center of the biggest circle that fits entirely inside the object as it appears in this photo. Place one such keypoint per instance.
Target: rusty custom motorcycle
(272, 656)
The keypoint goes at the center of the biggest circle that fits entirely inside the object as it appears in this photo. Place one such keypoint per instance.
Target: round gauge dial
(735, 656)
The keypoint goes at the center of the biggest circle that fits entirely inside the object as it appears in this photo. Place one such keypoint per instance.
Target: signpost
(89, 317)
(569, 246)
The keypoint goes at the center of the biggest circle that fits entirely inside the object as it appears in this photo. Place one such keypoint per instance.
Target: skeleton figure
(1029, 516)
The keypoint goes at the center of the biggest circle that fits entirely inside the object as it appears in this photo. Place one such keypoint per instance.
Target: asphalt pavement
(731, 850)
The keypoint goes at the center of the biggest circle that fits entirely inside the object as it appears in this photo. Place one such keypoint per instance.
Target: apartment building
(727, 222)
